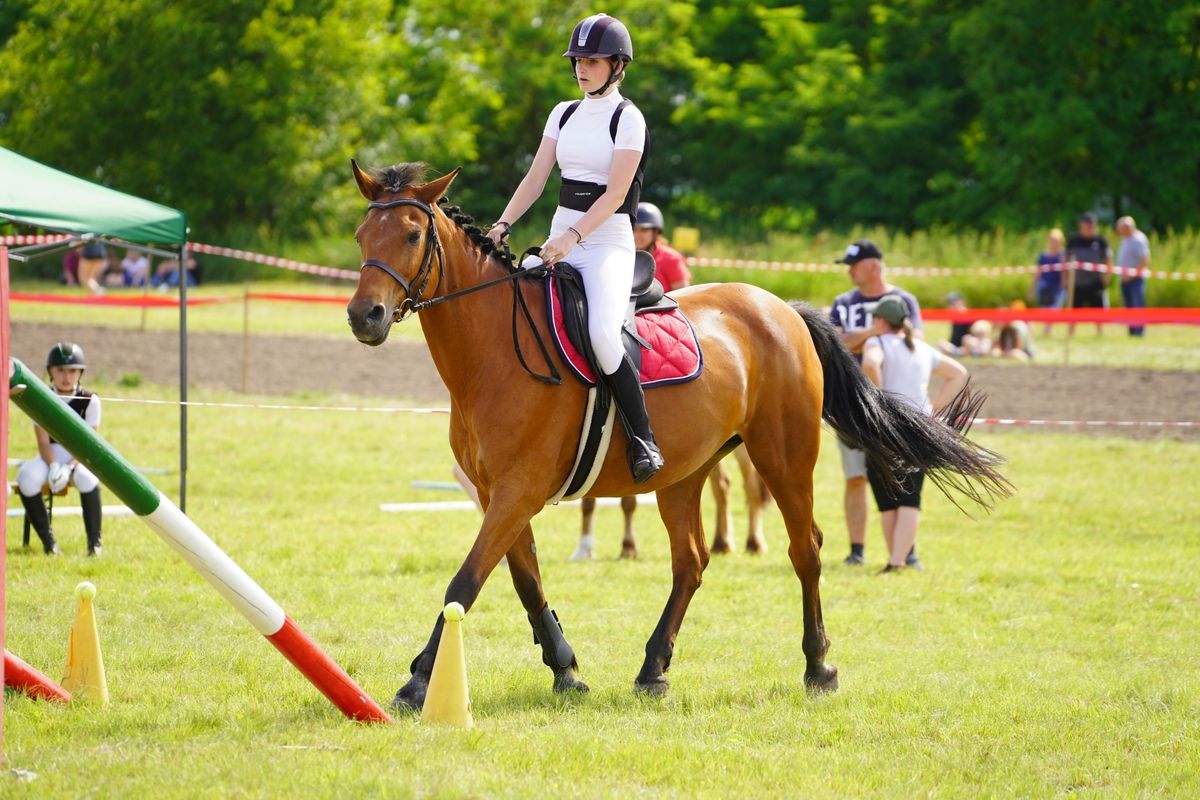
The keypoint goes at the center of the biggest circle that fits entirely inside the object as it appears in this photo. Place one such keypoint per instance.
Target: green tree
(244, 113)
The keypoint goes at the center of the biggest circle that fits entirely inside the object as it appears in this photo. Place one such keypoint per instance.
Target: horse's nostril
(376, 314)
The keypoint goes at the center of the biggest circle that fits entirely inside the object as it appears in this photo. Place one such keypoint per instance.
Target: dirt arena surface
(284, 365)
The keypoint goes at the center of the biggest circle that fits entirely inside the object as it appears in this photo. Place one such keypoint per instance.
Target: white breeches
(607, 271)
(34, 472)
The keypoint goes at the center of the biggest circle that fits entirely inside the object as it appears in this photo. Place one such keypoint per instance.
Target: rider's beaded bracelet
(507, 226)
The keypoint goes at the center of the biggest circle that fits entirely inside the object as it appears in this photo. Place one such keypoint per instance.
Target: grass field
(1048, 650)
(1165, 346)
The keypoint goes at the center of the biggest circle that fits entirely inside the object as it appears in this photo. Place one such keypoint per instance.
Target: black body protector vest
(79, 404)
(582, 195)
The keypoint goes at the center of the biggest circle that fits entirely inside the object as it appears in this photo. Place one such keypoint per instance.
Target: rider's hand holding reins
(499, 232)
(557, 248)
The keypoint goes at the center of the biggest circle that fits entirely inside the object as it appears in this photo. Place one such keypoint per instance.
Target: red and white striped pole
(33, 397)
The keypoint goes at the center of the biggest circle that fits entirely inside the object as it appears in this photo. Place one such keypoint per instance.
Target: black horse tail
(897, 437)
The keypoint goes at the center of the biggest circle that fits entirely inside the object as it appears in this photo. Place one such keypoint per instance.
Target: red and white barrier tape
(938, 272)
(419, 410)
(40, 238)
(692, 261)
(275, 261)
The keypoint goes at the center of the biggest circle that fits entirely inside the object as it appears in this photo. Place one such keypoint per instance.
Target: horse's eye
(414, 237)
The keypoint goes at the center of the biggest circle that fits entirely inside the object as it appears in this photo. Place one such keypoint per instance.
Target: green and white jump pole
(33, 397)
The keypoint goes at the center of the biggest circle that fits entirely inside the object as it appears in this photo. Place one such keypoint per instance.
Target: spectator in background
(852, 316)
(670, 267)
(92, 263)
(70, 268)
(958, 330)
(167, 274)
(1048, 290)
(1134, 253)
(1087, 246)
(899, 363)
(135, 268)
(1015, 341)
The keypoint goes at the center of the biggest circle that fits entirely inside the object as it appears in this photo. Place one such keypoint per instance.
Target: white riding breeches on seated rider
(33, 474)
(605, 262)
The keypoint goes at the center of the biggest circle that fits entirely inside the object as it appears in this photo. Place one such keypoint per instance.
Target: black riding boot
(91, 519)
(645, 459)
(35, 512)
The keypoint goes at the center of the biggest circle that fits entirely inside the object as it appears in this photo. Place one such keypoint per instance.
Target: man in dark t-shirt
(852, 314)
(1087, 246)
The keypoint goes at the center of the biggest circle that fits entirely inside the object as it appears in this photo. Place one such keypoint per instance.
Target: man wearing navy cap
(851, 315)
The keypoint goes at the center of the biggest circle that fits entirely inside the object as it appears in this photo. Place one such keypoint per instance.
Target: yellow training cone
(85, 665)
(447, 699)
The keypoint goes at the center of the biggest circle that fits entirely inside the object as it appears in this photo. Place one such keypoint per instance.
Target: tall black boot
(645, 459)
(35, 512)
(91, 519)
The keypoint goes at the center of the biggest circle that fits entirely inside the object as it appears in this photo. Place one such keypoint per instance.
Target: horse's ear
(432, 191)
(368, 186)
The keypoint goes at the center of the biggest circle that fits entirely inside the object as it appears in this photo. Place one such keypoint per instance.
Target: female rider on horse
(598, 144)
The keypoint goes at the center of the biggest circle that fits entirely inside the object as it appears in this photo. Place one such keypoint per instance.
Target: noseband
(412, 302)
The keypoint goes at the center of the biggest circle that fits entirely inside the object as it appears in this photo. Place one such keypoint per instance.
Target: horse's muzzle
(369, 321)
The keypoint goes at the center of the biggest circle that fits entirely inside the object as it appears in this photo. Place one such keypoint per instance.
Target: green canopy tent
(34, 194)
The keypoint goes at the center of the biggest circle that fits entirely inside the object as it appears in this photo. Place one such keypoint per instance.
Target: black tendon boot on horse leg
(35, 512)
(91, 519)
(644, 456)
(556, 652)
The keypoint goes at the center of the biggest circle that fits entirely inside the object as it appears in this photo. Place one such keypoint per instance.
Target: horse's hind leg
(527, 580)
(723, 538)
(679, 506)
(629, 542)
(587, 541)
(756, 501)
(785, 455)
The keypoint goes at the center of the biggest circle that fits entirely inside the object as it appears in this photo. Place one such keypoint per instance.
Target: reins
(413, 303)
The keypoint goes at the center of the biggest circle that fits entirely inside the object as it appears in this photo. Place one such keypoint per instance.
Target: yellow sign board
(686, 240)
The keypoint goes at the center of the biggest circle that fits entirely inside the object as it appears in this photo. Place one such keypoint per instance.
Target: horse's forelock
(399, 177)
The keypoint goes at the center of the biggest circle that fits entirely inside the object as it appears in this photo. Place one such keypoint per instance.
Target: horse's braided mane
(399, 177)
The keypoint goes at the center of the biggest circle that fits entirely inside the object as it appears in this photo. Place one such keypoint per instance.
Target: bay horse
(772, 372)
(758, 497)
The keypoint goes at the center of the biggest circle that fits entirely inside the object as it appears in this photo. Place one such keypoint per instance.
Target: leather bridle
(413, 301)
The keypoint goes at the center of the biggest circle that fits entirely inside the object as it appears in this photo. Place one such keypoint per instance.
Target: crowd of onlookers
(881, 324)
(97, 266)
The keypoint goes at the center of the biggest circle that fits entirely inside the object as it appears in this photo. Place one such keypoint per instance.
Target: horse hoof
(629, 553)
(822, 679)
(583, 551)
(720, 547)
(756, 547)
(566, 681)
(411, 696)
(656, 687)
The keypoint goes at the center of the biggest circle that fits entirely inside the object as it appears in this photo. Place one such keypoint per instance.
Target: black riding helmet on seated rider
(66, 354)
(601, 36)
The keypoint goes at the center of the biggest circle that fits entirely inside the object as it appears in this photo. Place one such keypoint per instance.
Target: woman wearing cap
(53, 465)
(899, 363)
(598, 143)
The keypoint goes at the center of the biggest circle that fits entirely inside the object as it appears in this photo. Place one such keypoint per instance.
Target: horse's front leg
(503, 523)
(547, 631)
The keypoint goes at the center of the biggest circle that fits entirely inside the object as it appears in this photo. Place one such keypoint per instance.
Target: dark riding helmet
(600, 36)
(649, 216)
(66, 354)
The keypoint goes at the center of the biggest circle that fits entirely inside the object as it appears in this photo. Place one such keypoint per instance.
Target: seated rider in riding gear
(599, 144)
(670, 267)
(53, 465)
